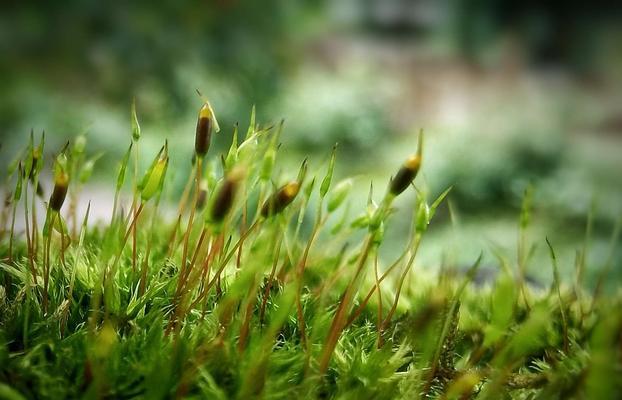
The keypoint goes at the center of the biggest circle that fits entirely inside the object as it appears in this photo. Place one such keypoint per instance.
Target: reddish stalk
(379, 320)
(269, 283)
(222, 265)
(338, 323)
(184, 261)
(359, 310)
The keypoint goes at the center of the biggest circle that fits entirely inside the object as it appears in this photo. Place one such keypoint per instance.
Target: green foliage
(293, 302)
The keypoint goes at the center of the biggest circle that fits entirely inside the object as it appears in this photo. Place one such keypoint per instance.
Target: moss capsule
(225, 197)
(224, 200)
(205, 124)
(204, 131)
(280, 199)
(202, 196)
(61, 183)
(405, 175)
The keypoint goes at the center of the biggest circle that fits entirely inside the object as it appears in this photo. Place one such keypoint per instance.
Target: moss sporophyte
(262, 285)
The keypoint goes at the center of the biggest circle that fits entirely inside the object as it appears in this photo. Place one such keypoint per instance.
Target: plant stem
(113, 268)
(338, 323)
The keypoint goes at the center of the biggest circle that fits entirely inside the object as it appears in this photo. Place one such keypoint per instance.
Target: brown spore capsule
(405, 175)
(61, 183)
(201, 197)
(224, 200)
(204, 130)
(280, 199)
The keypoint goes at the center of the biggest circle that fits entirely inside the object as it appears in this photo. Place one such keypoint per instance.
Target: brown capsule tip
(281, 199)
(405, 175)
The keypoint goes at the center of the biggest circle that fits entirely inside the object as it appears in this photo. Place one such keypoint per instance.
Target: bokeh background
(510, 94)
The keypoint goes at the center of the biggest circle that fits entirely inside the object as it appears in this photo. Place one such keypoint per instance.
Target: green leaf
(123, 167)
(329, 173)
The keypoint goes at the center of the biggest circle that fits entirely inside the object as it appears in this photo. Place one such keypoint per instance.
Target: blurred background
(510, 94)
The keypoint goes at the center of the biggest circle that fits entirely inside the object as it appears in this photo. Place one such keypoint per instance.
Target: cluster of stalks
(243, 253)
(214, 221)
(231, 206)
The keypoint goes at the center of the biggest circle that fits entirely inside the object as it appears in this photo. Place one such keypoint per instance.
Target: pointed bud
(79, 144)
(134, 123)
(61, 184)
(329, 173)
(226, 196)
(407, 173)
(339, 194)
(280, 199)
(205, 123)
(154, 177)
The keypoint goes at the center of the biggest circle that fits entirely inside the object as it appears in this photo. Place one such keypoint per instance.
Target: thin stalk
(183, 288)
(252, 295)
(11, 235)
(451, 313)
(145, 264)
(275, 260)
(559, 296)
(46, 262)
(339, 321)
(222, 264)
(180, 212)
(407, 268)
(173, 238)
(319, 221)
(248, 314)
(113, 268)
(35, 234)
(359, 310)
(133, 211)
(379, 319)
(522, 260)
(242, 227)
(184, 253)
(31, 256)
(197, 250)
(76, 263)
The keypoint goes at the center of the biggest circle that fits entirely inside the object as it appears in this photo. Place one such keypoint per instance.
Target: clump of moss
(259, 288)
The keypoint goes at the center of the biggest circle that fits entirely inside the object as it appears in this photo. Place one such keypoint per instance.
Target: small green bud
(154, 177)
(123, 167)
(329, 173)
(79, 144)
(422, 217)
(267, 165)
(339, 194)
(134, 123)
(309, 188)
